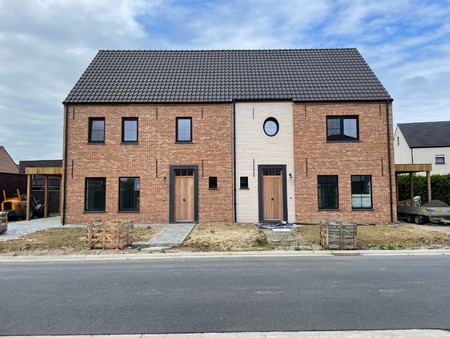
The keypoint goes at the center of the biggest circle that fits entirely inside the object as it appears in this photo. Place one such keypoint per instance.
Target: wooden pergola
(43, 171)
(411, 169)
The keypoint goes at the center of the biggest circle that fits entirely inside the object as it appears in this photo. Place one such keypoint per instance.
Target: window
(271, 126)
(96, 130)
(328, 192)
(439, 159)
(129, 188)
(213, 182)
(361, 192)
(95, 194)
(244, 182)
(342, 128)
(129, 129)
(184, 129)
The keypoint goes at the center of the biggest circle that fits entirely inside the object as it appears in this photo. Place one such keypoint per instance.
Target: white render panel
(254, 147)
(402, 152)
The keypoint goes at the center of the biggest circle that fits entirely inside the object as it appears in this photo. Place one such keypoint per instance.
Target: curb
(235, 254)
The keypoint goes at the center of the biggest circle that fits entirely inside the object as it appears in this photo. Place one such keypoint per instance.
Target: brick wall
(211, 151)
(314, 156)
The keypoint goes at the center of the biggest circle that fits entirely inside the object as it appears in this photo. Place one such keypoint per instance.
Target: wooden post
(28, 196)
(411, 188)
(396, 189)
(46, 196)
(429, 186)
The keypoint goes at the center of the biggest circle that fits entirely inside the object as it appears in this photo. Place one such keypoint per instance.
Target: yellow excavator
(16, 206)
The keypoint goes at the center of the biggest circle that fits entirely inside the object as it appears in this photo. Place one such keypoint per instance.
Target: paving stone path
(18, 229)
(172, 235)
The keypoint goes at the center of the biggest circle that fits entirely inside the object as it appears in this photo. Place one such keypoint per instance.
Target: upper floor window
(271, 126)
(439, 159)
(342, 128)
(328, 192)
(96, 130)
(95, 194)
(129, 129)
(361, 192)
(184, 129)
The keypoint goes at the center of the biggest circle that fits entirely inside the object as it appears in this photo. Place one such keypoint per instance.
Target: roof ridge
(226, 50)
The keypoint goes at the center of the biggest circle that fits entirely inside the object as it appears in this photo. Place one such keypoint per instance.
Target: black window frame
(212, 183)
(176, 130)
(439, 156)
(274, 120)
(126, 119)
(91, 120)
(138, 197)
(86, 195)
(320, 203)
(341, 137)
(361, 188)
(243, 182)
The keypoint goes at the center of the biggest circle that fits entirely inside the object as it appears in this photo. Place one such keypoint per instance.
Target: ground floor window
(129, 189)
(361, 192)
(95, 194)
(328, 192)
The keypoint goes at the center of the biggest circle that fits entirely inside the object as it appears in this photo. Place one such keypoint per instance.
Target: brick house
(230, 135)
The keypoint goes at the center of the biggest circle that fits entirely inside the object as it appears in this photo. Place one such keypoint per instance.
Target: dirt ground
(224, 237)
(385, 237)
(60, 241)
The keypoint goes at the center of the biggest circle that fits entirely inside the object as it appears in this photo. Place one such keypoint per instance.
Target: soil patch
(384, 237)
(60, 241)
(224, 237)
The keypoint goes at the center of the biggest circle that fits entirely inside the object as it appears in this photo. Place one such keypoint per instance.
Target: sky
(45, 45)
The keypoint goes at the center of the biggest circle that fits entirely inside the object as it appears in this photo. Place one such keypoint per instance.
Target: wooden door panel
(184, 198)
(272, 198)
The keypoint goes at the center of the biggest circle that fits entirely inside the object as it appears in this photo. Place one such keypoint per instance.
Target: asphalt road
(224, 295)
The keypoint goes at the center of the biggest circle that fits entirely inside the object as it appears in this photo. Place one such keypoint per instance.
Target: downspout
(389, 160)
(234, 162)
(66, 127)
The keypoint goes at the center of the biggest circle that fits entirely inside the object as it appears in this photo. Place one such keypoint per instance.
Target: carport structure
(46, 172)
(411, 169)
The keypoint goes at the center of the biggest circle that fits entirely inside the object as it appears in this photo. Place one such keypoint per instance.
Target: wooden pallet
(338, 235)
(3, 222)
(109, 235)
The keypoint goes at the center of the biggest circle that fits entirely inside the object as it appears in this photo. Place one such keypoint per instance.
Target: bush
(440, 187)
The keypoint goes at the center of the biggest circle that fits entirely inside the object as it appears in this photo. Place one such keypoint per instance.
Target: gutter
(234, 163)
(389, 160)
(66, 112)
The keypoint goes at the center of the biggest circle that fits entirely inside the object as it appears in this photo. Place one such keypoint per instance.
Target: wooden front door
(184, 195)
(272, 195)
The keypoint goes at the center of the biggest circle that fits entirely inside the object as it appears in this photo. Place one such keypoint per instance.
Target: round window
(271, 126)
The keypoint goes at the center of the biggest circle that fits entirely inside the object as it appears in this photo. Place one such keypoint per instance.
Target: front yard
(228, 237)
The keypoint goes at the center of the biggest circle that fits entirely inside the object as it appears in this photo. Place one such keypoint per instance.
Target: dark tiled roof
(224, 75)
(426, 134)
(38, 164)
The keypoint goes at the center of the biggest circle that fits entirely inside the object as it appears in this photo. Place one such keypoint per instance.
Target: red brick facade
(211, 151)
(369, 156)
(149, 159)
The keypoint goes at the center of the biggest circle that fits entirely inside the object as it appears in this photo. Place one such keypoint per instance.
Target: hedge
(440, 187)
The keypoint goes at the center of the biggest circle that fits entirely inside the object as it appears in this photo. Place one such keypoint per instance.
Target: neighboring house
(38, 181)
(228, 135)
(7, 164)
(424, 142)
